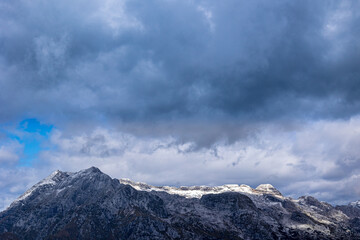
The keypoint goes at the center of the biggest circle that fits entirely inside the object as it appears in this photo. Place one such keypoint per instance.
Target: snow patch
(47, 181)
(199, 191)
(355, 204)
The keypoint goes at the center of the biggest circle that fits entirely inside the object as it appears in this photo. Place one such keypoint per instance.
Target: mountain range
(91, 205)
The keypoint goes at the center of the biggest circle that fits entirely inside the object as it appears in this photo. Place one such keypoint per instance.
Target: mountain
(90, 205)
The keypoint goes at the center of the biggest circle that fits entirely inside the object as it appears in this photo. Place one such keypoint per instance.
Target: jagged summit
(91, 205)
(55, 173)
(91, 170)
(53, 179)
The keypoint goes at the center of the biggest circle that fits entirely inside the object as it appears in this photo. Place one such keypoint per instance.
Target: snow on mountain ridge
(268, 188)
(47, 181)
(199, 191)
(185, 191)
(355, 204)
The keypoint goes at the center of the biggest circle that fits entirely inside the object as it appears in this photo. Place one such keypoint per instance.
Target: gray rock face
(91, 205)
(352, 209)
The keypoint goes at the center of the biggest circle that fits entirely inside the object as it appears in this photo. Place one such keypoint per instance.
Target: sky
(182, 92)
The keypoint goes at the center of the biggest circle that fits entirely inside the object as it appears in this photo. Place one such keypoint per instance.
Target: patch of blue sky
(32, 125)
(32, 135)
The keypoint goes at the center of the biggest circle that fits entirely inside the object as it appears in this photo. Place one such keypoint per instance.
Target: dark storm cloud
(178, 61)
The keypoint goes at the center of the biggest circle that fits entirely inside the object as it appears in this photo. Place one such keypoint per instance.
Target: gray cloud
(9, 153)
(160, 61)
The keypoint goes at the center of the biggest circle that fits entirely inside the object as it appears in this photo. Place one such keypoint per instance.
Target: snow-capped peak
(355, 204)
(50, 180)
(268, 188)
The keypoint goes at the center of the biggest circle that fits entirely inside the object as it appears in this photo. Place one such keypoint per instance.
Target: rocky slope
(91, 205)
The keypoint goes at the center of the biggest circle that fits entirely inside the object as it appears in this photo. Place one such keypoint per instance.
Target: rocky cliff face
(91, 205)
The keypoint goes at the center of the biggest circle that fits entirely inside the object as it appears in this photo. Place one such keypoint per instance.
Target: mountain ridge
(91, 205)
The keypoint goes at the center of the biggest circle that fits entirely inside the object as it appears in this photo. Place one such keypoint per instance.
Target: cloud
(9, 153)
(165, 60)
(157, 90)
(15, 181)
(320, 159)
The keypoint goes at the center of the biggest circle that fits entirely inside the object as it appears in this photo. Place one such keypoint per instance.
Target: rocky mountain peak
(88, 171)
(91, 170)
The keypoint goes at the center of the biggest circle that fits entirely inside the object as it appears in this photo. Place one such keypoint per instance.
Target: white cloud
(9, 153)
(15, 181)
(318, 159)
